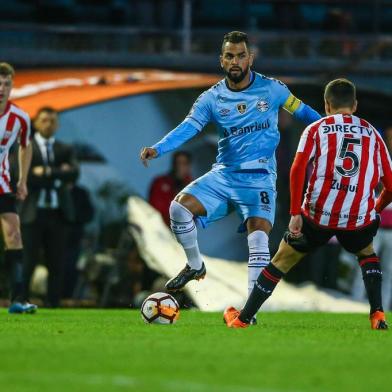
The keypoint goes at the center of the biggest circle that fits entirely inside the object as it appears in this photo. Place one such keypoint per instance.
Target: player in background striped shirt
(350, 159)
(14, 124)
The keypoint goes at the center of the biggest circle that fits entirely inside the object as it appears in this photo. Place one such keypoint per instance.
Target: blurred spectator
(132, 274)
(49, 207)
(164, 188)
(118, 277)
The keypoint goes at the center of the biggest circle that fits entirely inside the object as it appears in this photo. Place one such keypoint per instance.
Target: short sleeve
(384, 159)
(200, 113)
(25, 130)
(280, 92)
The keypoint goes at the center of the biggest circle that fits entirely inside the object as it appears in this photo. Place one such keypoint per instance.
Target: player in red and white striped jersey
(350, 159)
(14, 124)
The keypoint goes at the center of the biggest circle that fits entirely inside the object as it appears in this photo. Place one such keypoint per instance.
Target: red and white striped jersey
(350, 157)
(14, 123)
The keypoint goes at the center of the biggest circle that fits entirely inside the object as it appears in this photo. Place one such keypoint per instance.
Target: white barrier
(226, 281)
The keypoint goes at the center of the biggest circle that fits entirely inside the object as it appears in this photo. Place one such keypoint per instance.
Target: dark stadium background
(304, 43)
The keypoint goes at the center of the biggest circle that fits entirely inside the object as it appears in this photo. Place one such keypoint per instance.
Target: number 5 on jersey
(345, 153)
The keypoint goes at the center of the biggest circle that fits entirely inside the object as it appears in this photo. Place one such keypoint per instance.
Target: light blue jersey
(247, 123)
(246, 120)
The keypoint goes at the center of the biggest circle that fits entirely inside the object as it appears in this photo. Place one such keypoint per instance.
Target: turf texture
(113, 350)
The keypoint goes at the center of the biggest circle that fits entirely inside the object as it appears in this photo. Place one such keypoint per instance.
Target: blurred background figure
(164, 188)
(49, 207)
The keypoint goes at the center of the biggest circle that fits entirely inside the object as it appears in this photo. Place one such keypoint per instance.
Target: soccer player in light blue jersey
(244, 106)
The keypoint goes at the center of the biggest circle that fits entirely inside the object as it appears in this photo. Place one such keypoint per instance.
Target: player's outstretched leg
(184, 228)
(259, 257)
(283, 261)
(372, 278)
(264, 286)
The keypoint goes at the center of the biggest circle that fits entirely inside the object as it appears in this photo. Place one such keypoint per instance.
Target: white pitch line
(124, 381)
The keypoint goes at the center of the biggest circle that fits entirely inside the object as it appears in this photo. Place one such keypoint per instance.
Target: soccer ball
(160, 308)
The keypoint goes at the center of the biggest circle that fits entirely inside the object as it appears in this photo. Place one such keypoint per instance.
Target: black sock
(372, 277)
(14, 259)
(264, 286)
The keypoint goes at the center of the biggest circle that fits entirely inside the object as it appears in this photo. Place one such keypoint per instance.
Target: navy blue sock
(14, 259)
(372, 278)
(264, 286)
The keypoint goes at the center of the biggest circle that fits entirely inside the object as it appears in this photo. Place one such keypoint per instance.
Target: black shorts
(7, 203)
(315, 236)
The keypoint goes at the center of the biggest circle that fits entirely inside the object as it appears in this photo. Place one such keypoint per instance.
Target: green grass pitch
(113, 350)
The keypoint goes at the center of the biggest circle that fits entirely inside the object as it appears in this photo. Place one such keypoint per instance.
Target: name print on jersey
(339, 215)
(347, 128)
(344, 187)
(235, 131)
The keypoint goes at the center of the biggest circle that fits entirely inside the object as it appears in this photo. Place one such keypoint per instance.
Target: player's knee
(191, 204)
(284, 263)
(286, 257)
(369, 250)
(261, 224)
(179, 213)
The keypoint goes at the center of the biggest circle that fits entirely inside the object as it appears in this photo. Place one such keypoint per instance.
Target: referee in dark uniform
(48, 209)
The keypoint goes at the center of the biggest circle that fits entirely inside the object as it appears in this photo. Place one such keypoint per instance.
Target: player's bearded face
(236, 74)
(236, 61)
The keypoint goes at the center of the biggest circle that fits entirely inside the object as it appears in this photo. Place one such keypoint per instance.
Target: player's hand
(148, 153)
(295, 226)
(21, 190)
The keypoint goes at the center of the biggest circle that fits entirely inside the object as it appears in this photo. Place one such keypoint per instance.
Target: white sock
(259, 256)
(184, 228)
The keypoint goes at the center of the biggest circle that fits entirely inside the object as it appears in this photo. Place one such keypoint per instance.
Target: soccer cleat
(377, 320)
(237, 323)
(22, 307)
(230, 314)
(185, 275)
(230, 317)
(253, 321)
